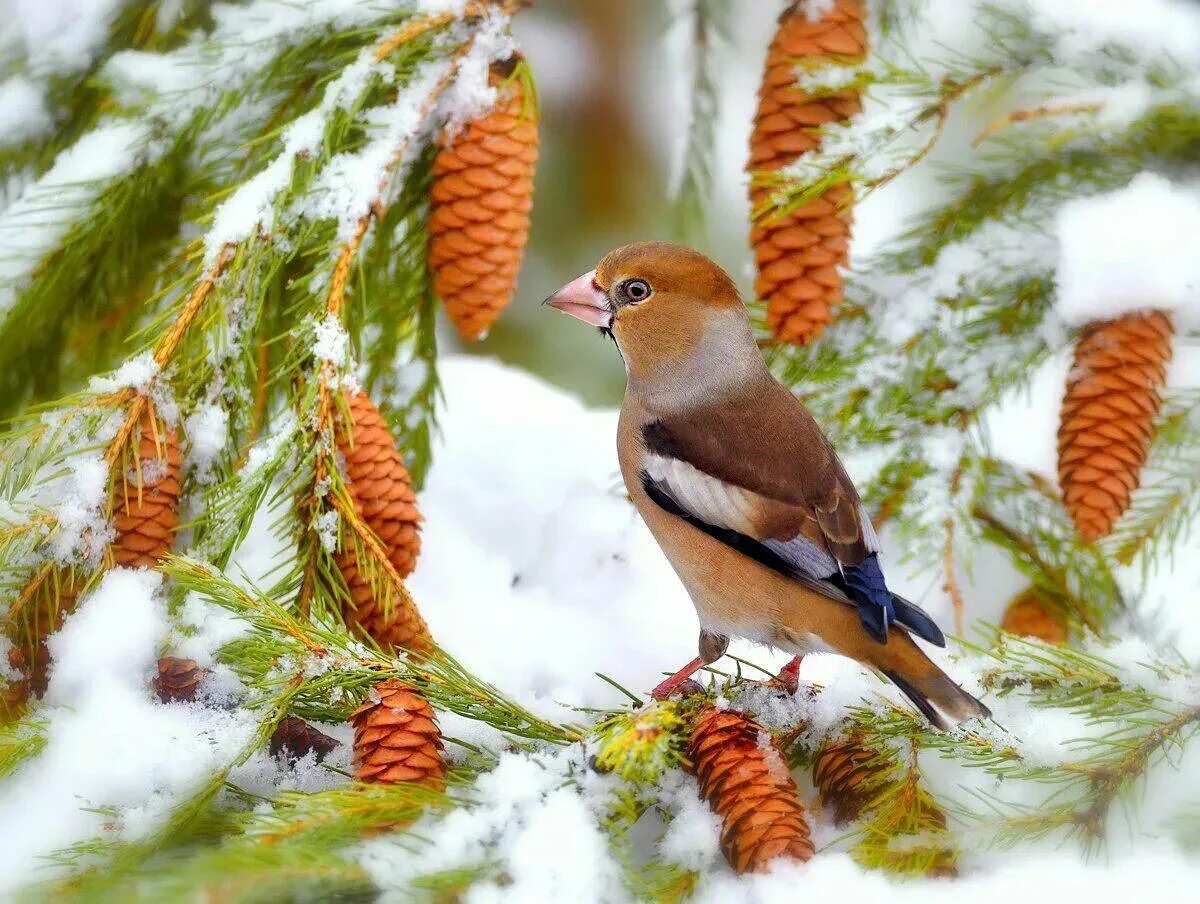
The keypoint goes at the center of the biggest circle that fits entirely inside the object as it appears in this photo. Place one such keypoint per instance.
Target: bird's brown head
(663, 304)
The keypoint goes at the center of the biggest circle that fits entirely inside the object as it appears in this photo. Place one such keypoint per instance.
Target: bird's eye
(636, 290)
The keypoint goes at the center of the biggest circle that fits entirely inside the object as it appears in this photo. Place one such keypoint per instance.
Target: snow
(1158, 871)
(1149, 28)
(206, 429)
(471, 95)
(108, 744)
(77, 501)
(59, 37)
(542, 831)
(1129, 250)
(23, 113)
(137, 373)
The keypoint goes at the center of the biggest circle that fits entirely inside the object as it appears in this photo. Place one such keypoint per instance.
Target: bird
(740, 487)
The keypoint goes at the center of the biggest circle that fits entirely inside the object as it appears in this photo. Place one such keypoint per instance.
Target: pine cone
(1108, 412)
(745, 780)
(294, 739)
(799, 253)
(1029, 616)
(177, 680)
(146, 510)
(383, 497)
(15, 693)
(396, 738)
(482, 196)
(847, 776)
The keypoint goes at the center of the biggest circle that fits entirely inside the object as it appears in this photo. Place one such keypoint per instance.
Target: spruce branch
(341, 668)
(1028, 114)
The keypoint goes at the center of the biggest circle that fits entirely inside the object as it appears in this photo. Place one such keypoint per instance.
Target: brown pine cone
(847, 777)
(746, 781)
(177, 680)
(396, 738)
(1029, 616)
(482, 196)
(799, 253)
(1108, 413)
(29, 654)
(294, 739)
(383, 497)
(146, 508)
(15, 693)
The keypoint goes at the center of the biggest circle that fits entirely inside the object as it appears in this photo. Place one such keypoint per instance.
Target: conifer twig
(333, 308)
(951, 586)
(939, 111)
(418, 27)
(1028, 114)
(167, 345)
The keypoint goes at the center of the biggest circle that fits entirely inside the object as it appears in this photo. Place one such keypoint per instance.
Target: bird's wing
(761, 477)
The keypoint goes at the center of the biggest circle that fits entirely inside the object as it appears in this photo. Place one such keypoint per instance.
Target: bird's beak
(584, 299)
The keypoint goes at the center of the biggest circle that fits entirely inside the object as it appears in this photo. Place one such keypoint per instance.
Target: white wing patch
(725, 505)
(870, 538)
(708, 498)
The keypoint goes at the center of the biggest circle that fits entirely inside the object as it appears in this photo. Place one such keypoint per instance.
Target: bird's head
(669, 308)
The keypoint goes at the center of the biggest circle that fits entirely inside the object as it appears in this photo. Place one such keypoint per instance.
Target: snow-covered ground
(537, 573)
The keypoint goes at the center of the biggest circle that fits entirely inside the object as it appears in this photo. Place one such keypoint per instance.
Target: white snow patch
(23, 112)
(1128, 250)
(207, 429)
(138, 373)
(108, 742)
(77, 501)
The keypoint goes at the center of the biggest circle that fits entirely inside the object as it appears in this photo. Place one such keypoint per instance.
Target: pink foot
(788, 679)
(676, 681)
(789, 675)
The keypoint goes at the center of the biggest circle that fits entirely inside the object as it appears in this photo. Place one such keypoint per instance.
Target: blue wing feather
(864, 583)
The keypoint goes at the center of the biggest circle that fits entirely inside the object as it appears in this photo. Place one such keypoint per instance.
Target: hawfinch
(739, 486)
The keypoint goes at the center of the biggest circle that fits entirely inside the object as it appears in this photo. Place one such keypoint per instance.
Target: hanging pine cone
(15, 692)
(177, 680)
(396, 738)
(383, 497)
(799, 253)
(482, 196)
(146, 508)
(1108, 412)
(294, 739)
(745, 780)
(1028, 615)
(847, 775)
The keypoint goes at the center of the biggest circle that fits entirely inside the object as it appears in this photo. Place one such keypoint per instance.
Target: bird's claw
(684, 688)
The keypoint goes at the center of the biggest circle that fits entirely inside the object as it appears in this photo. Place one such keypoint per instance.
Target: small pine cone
(1029, 616)
(15, 692)
(1108, 413)
(799, 253)
(846, 775)
(294, 739)
(745, 780)
(383, 497)
(177, 680)
(146, 509)
(482, 196)
(396, 738)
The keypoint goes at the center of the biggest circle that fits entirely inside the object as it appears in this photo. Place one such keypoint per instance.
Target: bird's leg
(671, 685)
(789, 675)
(712, 648)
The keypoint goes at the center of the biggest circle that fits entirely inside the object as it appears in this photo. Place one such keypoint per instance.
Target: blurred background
(613, 80)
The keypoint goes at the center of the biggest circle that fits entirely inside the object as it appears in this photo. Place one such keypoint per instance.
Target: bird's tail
(939, 699)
